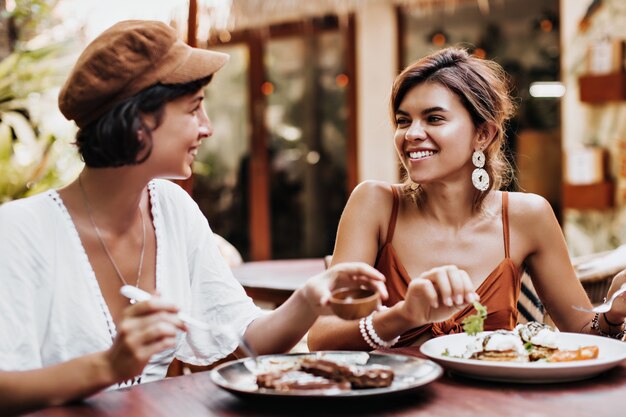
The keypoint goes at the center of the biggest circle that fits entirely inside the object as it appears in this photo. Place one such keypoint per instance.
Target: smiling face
(435, 135)
(177, 139)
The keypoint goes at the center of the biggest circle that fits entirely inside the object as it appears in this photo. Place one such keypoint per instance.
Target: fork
(606, 306)
(138, 294)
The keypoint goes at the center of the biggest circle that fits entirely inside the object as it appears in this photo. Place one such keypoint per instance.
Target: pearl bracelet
(366, 337)
(375, 338)
(371, 337)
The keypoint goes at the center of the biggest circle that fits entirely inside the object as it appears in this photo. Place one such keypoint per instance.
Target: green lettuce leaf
(474, 324)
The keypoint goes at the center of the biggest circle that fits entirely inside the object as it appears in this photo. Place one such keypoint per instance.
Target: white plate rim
(536, 371)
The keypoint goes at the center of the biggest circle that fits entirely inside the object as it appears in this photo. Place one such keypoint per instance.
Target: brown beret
(127, 58)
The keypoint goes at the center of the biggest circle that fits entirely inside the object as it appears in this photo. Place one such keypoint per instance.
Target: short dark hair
(111, 140)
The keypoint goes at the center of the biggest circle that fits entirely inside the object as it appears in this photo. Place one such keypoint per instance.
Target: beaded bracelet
(596, 326)
(369, 326)
(610, 323)
(366, 337)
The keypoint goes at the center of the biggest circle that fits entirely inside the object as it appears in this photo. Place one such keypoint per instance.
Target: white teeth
(420, 154)
(194, 152)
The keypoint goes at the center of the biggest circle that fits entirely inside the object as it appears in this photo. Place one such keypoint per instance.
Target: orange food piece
(564, 356)
(588, 352)
(581, 354)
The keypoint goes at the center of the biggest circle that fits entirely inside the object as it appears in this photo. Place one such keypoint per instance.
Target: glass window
(306, 119)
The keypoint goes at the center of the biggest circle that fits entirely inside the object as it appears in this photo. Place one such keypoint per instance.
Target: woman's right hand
(437, 294)
(617, 314)
(146, 328)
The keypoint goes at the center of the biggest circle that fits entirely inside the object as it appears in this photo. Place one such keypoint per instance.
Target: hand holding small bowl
(354, 303)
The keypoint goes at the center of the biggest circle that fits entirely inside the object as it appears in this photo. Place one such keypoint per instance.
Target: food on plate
(499, 346)
(297, 381)
(580, 354)
(359, 376)
(539, 339)
(474, 324)
(315, 373)
(531, 342)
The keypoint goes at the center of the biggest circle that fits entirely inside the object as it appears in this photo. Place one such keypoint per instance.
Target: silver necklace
(106, 248)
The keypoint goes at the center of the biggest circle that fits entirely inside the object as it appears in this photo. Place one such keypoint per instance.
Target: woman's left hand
(317, 290)
(618, 310)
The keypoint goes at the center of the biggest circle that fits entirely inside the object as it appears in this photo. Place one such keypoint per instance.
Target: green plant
(34, 136)
(25, 19)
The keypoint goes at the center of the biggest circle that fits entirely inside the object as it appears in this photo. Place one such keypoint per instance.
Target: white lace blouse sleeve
(22, 290)
(215, 297)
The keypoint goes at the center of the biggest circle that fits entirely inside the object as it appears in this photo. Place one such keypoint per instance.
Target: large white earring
(480, 178)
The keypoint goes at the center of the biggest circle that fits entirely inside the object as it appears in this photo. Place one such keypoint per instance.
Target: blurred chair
(228, 251)
(528, 304)
(596, 271)
(328, 259)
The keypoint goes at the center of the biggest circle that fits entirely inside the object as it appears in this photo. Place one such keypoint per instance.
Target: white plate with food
(325, 374)
(572, 357)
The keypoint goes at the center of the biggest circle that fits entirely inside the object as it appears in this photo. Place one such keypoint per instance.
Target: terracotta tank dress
(498, 292)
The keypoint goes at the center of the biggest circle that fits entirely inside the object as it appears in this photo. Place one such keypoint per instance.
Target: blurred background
(300, 112)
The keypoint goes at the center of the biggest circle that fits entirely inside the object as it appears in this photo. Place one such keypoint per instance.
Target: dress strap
(394, 214)
(505, 222)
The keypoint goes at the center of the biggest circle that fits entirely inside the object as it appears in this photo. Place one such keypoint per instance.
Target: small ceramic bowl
(354, 303)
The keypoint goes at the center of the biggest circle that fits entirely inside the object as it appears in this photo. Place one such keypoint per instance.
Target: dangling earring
(414, 186)
(480, 178)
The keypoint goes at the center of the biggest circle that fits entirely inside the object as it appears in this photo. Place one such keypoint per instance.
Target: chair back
(328, 259)
(528, 304)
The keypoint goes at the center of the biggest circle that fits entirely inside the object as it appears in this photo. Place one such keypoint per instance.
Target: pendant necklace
(106, 248)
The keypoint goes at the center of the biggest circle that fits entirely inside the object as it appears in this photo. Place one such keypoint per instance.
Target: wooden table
(195, 396)
(274, 281)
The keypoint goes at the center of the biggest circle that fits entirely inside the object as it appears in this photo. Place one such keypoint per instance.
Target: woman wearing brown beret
(136, 93)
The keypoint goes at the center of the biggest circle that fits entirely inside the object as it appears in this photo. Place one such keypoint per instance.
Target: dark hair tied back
(112, 141)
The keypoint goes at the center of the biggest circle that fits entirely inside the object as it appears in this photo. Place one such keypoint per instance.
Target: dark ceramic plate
(411, 373)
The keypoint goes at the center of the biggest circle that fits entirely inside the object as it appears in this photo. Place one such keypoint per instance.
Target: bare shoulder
(532, 214)
(372, 191)
(370, 204)
(529, 206)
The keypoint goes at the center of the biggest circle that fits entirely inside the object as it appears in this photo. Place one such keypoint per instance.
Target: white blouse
(51, 307)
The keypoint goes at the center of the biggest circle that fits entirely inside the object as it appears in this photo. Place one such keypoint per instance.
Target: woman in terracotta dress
(449, 223)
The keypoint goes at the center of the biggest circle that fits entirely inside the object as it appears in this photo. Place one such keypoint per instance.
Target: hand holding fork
(606, 306)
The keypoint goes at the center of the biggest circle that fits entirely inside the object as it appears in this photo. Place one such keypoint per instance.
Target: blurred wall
(604, 125)
(572, 111)
(377, 57)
